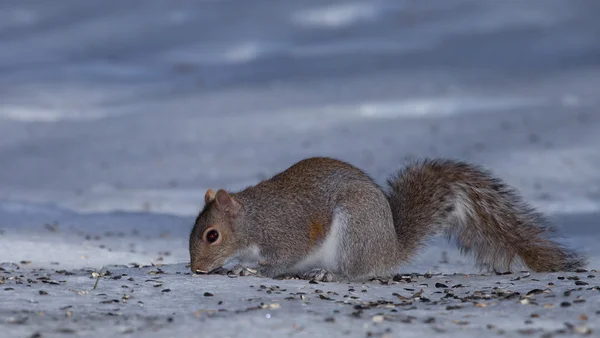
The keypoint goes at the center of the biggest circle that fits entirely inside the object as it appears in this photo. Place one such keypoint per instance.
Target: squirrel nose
(196, 269)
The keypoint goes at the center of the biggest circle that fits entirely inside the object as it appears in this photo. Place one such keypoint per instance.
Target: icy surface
(116, 116)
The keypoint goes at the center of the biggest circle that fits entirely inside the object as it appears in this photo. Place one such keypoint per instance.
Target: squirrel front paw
(241, 270)
(319, 275)
(237, 270)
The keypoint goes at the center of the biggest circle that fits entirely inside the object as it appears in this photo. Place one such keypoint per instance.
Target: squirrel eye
(212, 236)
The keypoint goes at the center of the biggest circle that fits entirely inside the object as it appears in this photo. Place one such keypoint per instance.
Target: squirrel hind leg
(369, 241)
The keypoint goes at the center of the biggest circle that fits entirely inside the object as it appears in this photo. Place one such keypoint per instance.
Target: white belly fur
(248, 257)
(327, 255)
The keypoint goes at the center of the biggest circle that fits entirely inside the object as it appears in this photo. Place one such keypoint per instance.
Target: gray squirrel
(325, 219)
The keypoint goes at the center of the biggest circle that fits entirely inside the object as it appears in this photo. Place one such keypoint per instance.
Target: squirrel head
(213, 240)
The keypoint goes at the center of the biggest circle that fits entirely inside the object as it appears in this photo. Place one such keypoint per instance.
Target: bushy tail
(486, 217)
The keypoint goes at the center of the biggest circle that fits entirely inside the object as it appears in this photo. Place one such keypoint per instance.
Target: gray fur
(486, 217)
(289, 216)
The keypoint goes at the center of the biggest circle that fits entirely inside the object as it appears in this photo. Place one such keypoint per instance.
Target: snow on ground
(115, 117)
(171, 303)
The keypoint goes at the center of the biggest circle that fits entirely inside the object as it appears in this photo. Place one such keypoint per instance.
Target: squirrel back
(322, 218)
(300, 219)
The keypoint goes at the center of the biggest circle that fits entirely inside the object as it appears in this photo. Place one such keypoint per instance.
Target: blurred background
(140, 106)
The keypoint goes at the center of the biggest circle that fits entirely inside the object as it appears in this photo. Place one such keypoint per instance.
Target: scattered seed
(527, 331)
(18, 320)
(453, 307)
(198, 313)
(65, 272)
(9, 266)
(65, 330)
(565, 304)
(584, 330)
(208, 294)
(378, 319)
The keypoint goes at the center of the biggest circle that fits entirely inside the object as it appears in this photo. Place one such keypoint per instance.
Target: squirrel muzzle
(201, 267)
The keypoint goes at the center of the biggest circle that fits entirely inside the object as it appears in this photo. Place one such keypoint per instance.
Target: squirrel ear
(226, 203)
(209, 196)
